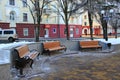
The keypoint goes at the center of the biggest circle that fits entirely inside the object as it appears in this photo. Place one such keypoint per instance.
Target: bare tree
(67, 8)
(94, 8)
(36, 10)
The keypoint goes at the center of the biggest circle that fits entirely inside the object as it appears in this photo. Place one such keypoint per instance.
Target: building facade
(16, 14)
(96, 25)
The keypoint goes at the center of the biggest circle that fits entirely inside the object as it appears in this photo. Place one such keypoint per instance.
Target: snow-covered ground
(111, 40)
(5, 52)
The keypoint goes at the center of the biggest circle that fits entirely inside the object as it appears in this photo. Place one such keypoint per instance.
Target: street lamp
(104, 25)
(105, 17)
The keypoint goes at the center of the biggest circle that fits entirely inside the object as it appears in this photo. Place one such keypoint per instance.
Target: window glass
(85, 23)
(77, 30)
(65, 31)
(54, 30)
(25, 18)
(25, 31)
(71, 19)
(24, 3)
(85, 17)
(12, 2)
(8, 32)
(12, 15)
(0, 32)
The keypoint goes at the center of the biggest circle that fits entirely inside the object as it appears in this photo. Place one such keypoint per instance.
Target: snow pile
(5, 51)
(10, 45)
(111, 40)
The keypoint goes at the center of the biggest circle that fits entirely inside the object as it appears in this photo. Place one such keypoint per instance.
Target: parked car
(8, 34)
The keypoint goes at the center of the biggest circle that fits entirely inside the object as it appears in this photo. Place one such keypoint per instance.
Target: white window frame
(54, 30)
(11, 2)
(25, 17)
(12, 16)
(77, 30)
(25, 31)
(24, 2)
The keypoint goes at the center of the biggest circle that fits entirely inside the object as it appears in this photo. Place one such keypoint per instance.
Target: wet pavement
(75, 66)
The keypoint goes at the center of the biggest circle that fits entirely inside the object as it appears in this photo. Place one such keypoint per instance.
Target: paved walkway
(75, 66)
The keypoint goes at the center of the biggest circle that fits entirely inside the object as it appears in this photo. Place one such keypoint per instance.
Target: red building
(4, 25)
(48, 30)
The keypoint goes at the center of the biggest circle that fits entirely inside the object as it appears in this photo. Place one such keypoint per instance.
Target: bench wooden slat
(23, 51)
(56, 48)
(89, 44)
(53, 46)
(33, 55)
(94, 46)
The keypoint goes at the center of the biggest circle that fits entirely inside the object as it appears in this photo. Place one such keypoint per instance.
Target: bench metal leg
(48, 53)
(65, 49)
(31, 63)
(21, 73)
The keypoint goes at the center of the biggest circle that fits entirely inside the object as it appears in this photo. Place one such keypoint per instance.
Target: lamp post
(105, 17)
(104, 25)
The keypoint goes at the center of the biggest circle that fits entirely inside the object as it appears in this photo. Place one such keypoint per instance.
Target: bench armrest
(33, 50)
(62, 45)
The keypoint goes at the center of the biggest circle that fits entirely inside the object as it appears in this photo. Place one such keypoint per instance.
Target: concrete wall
(71, 45)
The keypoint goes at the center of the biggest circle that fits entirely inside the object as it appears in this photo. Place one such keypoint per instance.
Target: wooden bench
(89, 44)
(25, 56)
(52, 46)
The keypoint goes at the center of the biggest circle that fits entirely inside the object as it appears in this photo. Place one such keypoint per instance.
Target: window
(65, 31)
(71, 19)
(55, 19)
(54, 30)
(46, 18)
(25, 31)
(0, 15)
(85, 17)
(24, 3)
(77, 30)
(12, 15)
(25, 17)
(85, 23)
(12, 2)
(0, 32)
(8, 32)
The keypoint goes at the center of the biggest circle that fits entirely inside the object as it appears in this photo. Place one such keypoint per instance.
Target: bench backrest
(22, 50)
(51, 44)
(86, 43)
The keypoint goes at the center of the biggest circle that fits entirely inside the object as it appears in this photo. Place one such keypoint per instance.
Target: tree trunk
(90, 23)
(115, 32)
(66, 23)
(37, 28)
(102, 22)
(67, 31)
(105, 28)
